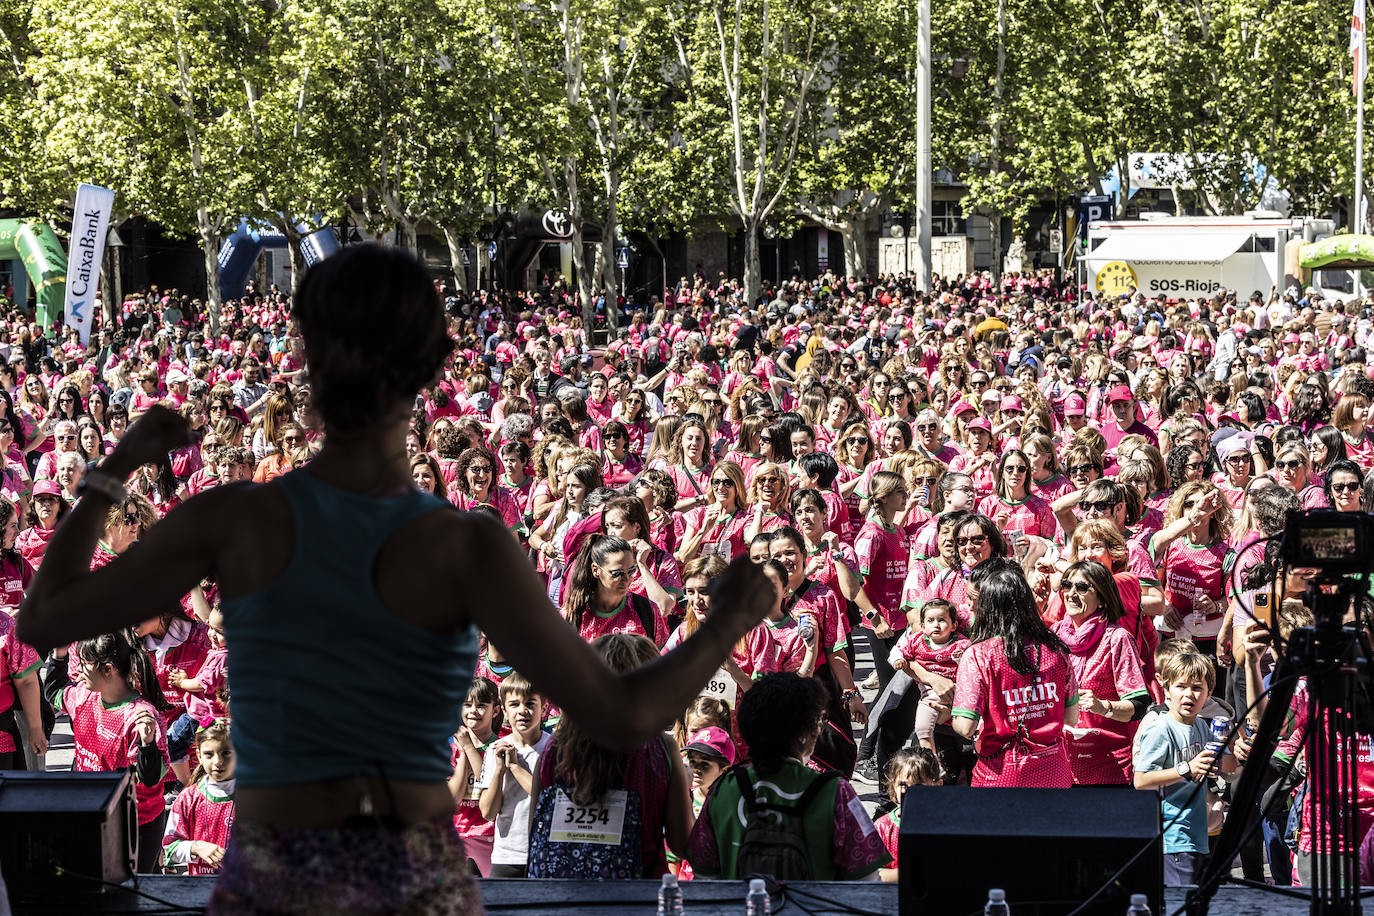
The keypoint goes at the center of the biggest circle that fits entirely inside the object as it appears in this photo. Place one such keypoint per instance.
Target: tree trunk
(852, 234)
(753, 271)
(405, 236)
(209, 249)
(584, 278)
(455, 256)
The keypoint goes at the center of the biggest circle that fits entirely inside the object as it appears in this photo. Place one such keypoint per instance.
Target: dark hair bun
(374, 333)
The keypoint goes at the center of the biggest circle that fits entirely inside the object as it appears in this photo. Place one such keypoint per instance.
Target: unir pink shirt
(1022, 739)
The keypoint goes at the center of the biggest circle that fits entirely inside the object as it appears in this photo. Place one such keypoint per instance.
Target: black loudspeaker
(83, 824)
(1049, 849)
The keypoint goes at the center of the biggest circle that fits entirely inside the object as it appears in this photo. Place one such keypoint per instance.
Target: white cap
(1139, 900)
(997, 895)
(669, 880)
(756, 886)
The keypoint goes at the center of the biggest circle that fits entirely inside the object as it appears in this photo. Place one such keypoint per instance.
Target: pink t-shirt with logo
(882, 554)
(1099, 747)
(1022, 739)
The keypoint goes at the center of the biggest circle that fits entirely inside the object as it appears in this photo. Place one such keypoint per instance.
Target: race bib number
(600, 823)
(722, 686)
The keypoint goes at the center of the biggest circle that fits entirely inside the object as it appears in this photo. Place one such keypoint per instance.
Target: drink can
(806, 626)
(1221, 730)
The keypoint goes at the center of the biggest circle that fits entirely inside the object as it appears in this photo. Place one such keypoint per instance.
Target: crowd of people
(1044, 516)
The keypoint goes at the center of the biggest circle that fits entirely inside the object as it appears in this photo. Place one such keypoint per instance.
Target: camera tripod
(1334, 660)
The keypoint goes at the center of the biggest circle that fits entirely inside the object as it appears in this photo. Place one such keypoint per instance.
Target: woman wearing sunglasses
(619, 465)
(1017, 511)
(854, 452)
(977, 539)
(1345, 486)
(717, 529)
(598, 599)
(1112, 693)
(1292, 469)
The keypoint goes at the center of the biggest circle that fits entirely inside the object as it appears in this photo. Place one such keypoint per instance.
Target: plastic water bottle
(1139, 906)
(806, 626)
(669, 896)
(757, 902)
(997, 903)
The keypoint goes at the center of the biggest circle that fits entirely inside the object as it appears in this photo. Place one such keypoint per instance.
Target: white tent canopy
(1163, 247)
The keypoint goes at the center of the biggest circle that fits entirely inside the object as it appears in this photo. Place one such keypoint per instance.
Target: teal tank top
(327, 683)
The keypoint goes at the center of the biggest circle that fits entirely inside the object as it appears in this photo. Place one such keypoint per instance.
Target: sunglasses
(926, 427)
(64, 438)
(1291, 465)
(1194, 466)
(1081, 588)
(724, 482)
(977, 540)
(479, 469)
(859, 440)
(617, 574)
(1099, 505)
(1344, 487)
(897, 394)
(927, 481)
(1015, 469)
(978, 383)
(132, 519)
(1076, 469)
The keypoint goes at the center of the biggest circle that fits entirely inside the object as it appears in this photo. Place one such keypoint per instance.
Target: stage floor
(702, 898)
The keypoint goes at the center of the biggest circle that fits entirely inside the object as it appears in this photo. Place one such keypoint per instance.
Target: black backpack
(774, 841)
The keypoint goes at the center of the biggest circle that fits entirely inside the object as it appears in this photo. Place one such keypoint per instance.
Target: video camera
(1337, 543)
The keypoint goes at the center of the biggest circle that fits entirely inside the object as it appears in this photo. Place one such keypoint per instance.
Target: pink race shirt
(1022, 738)
(1099, 747)
(882, 554)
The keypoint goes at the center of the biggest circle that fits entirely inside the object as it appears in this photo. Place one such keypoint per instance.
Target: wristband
(104, 483)
(850, 694)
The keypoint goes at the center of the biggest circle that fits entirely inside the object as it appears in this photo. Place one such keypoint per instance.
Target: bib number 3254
(600, 823)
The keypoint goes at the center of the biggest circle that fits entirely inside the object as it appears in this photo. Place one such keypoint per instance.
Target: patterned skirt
(419, 869)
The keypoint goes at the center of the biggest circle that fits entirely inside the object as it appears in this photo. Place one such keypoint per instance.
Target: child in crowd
(470, 743)
(1173, 755)
(198, 824)
(117, 723)
(936, 645)
(508, 775)
(708, 753)
(915, 766)
(202, 691)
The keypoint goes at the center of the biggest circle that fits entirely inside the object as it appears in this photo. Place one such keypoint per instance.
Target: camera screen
(1329, 543)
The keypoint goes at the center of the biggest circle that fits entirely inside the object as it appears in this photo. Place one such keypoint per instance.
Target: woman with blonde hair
(279, 410)
(717, 529)
(1193, 551)
(769, 494)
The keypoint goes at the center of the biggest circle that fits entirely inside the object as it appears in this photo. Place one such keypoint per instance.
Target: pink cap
(962, 406)
(1012, 402)
(1120, 393)
(1291, 339)
(713, 742)
(46, 488)
(1074, 406)
(980, 423)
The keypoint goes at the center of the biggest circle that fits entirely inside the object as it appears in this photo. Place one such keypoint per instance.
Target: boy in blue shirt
(1172, 756)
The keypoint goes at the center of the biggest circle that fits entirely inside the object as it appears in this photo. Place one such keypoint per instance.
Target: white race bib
(600, 823)
(722, 686)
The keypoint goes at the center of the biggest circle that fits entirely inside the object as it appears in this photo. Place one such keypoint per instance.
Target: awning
(1150, 247)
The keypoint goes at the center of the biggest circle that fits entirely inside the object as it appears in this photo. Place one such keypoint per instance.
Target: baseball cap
(46, 488)
(1120, 393)
(713, 742)
(962, 406)
(176, 376)
(1012, 402)
(1075, 406)
(980, 423)
(992, 394)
